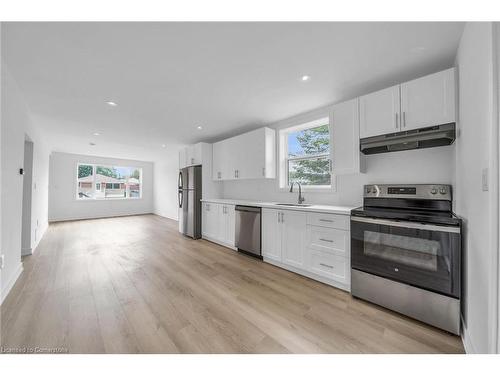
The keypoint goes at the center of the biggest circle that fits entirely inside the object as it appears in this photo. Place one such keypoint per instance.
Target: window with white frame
(305, 155)
(107, 182)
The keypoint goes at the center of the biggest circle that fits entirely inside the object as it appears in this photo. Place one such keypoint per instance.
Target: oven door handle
(406, 224)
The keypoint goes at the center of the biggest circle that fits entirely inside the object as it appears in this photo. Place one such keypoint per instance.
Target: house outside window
(110, 182)
(306, 155)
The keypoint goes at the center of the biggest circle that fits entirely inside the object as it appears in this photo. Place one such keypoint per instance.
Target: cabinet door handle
(326, 220)
(325, 240)
(278, 217)
(264, 172)
(326, 265)
(396, 120)
(282, 217)
(192, 161)
(404, 119)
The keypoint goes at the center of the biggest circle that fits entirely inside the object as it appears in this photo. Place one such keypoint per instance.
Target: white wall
(166, 173)
(63, 204)
(474, 61)
(16, 125)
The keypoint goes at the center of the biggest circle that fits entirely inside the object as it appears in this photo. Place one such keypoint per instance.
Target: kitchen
(339, 205)
(315, 240)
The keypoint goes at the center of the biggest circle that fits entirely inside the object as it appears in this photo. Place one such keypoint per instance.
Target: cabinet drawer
(328, 239)
(328, 220)
(328, 265)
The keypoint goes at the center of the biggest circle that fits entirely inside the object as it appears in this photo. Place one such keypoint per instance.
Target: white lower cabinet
(218, 223)
(311, 244)
(293, 238)
(209, 219)
(283, 236)
(271, 234)
(328, 265)
(225, 223)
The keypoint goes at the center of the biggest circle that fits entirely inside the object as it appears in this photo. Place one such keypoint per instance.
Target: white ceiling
(168, 78)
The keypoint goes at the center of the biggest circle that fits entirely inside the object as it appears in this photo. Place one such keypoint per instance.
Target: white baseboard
(61, 219)
(10, 283)
(466, 340)
(166, 216)
(218, 242)
(40, 234)
(25, 252)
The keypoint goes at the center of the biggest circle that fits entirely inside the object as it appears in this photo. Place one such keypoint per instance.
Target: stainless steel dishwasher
(248, 230)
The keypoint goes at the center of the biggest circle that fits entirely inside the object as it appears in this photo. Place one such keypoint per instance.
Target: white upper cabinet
(428, 101)
(423, 102)
(379, 112)
(345, 137)
(191, 155)
(220, 161)
(247, 156)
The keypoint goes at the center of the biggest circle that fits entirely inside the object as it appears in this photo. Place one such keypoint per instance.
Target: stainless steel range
(406, 252)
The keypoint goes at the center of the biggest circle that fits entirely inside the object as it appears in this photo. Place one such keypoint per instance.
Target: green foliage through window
(84, 170)
(309, 156)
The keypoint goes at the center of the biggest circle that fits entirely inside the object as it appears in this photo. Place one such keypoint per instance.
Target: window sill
(107, 200)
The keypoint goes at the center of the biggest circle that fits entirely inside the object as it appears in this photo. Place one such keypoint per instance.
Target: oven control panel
(419, 191)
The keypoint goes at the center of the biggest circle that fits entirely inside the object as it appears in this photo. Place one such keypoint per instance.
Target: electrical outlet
(2, 257)
(484, 179)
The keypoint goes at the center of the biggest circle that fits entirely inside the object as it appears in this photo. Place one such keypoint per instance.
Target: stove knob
(368, 189)
(434, 191)
(442, 190)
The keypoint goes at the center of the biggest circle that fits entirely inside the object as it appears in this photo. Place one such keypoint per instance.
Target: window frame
(94, 167)
(300, 123)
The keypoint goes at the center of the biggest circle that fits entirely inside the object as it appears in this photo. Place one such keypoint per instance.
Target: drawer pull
(326, 220)
(325, 240)
(326, 265)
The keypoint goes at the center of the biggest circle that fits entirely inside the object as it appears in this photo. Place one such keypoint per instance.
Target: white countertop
(341, 210)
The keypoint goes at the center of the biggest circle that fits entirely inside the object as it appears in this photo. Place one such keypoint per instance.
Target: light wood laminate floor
(135, 285)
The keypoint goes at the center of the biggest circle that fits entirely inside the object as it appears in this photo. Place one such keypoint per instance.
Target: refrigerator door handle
(181, 185)
(181, 198)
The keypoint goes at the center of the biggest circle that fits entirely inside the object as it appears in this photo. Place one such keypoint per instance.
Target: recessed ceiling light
(96, 134)
(163, 146)
(92, 143)
(199, 127)
(305, 78)
(112, 104)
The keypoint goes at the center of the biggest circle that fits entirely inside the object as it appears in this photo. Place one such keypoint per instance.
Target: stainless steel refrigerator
(190, 201)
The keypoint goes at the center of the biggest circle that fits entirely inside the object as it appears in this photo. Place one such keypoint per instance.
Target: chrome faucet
(301, 198)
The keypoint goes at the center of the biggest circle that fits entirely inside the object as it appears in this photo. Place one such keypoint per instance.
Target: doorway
(27, 197)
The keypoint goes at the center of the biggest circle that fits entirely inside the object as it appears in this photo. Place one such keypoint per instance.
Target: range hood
(434, 136)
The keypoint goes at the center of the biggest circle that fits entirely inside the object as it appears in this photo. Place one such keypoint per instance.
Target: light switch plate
(484, 179)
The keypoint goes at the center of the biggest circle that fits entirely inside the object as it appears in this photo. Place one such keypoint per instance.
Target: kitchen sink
(293, 204)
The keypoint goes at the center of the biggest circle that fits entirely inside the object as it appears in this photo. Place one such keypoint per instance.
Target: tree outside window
(308, 155)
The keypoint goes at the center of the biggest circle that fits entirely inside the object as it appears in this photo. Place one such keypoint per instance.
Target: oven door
(422, 255)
